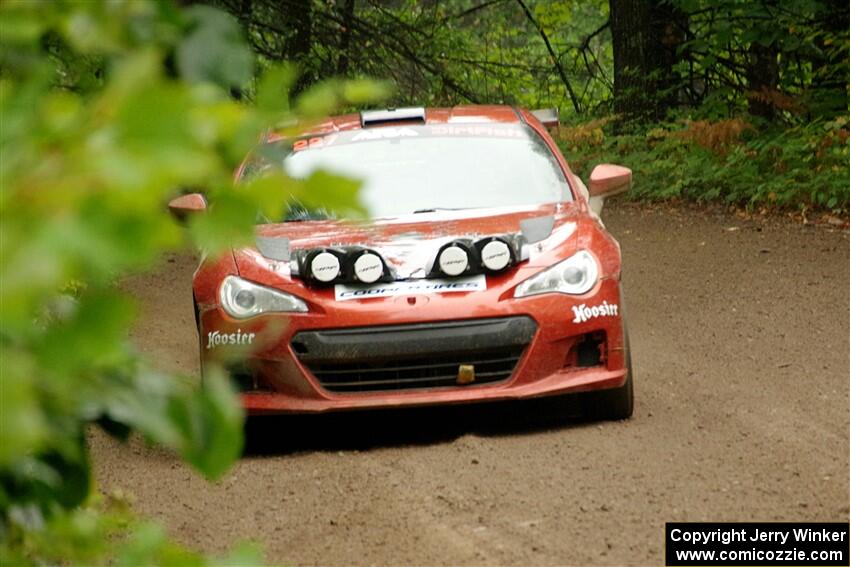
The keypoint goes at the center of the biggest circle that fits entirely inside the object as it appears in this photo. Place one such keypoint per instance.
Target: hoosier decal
(584, 313)
(217, 338)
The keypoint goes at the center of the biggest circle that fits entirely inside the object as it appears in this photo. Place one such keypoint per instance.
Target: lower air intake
(405, 357)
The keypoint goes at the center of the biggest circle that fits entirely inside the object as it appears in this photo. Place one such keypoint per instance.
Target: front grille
(404, 357)
(405, 373)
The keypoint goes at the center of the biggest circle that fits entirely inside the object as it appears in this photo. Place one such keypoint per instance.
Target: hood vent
(273, 247)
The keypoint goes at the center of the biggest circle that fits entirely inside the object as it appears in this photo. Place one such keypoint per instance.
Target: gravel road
(740, 333)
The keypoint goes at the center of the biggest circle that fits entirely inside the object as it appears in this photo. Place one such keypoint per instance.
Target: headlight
(242, 299)
(575, 275)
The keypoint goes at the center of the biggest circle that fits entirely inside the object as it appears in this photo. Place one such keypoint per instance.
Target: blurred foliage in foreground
(108, 110)
(804, 166)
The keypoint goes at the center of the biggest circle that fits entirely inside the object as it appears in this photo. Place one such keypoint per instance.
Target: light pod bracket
(491, 254)
(350, 264)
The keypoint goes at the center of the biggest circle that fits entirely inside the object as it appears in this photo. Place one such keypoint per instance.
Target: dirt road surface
(740, 337)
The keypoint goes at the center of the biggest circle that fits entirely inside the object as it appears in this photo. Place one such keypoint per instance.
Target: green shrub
(803, 166)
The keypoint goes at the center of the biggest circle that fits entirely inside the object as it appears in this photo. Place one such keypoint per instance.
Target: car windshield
(423, 168)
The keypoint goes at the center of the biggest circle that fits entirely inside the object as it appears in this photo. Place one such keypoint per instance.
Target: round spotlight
(495, 255)
(324, 267)
(453, 260)
(368, 267)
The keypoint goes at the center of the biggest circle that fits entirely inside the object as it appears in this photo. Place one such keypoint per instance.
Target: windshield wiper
(435, 209)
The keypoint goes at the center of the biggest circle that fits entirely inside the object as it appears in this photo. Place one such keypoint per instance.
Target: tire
(200, 339)
(614, 404)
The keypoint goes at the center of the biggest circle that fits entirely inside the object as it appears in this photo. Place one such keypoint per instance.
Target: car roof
(464, 114)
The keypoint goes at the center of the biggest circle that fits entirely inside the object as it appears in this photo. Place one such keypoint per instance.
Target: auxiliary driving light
(324, 267)
(496, 255)
(368, 267)
(453, 260)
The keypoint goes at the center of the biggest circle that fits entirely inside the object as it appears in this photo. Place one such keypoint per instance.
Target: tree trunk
(345, 38)
(630, 32)
(299, 17)
(646, 37)
(832, 71)
(762, 80)
(245, 9)
(668, 27)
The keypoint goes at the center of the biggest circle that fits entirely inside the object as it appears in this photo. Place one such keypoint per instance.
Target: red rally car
(483, 272)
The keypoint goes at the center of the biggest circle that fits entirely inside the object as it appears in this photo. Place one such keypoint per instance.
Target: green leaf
(227, 223)
(273, 89)
(211, 422)
(319, 100)
(364, 91)
(323, 189)
(149, 545)
(94, 336)
(23, 427)
(245, 554)
(141, 401)
(215, 50)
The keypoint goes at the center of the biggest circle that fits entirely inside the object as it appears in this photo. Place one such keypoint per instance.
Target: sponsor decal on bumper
(584, 313)
(217, 338)
(474, 283)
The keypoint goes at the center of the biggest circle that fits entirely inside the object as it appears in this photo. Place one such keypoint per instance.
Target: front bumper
(406, 351)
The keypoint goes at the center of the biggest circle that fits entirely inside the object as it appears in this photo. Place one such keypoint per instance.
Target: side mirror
(608, 179)
(185, 205)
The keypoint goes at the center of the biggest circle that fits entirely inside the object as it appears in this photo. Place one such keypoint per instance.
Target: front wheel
(613, 404)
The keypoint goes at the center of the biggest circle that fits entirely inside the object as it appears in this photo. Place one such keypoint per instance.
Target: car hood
(410, 243)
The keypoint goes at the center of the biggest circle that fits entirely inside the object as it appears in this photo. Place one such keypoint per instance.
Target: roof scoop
(389, 115)
(274, 247)
(549, 117)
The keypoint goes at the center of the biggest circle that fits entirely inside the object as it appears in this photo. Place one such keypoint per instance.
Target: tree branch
(472, 10)
(586, 43)
(552, 54)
